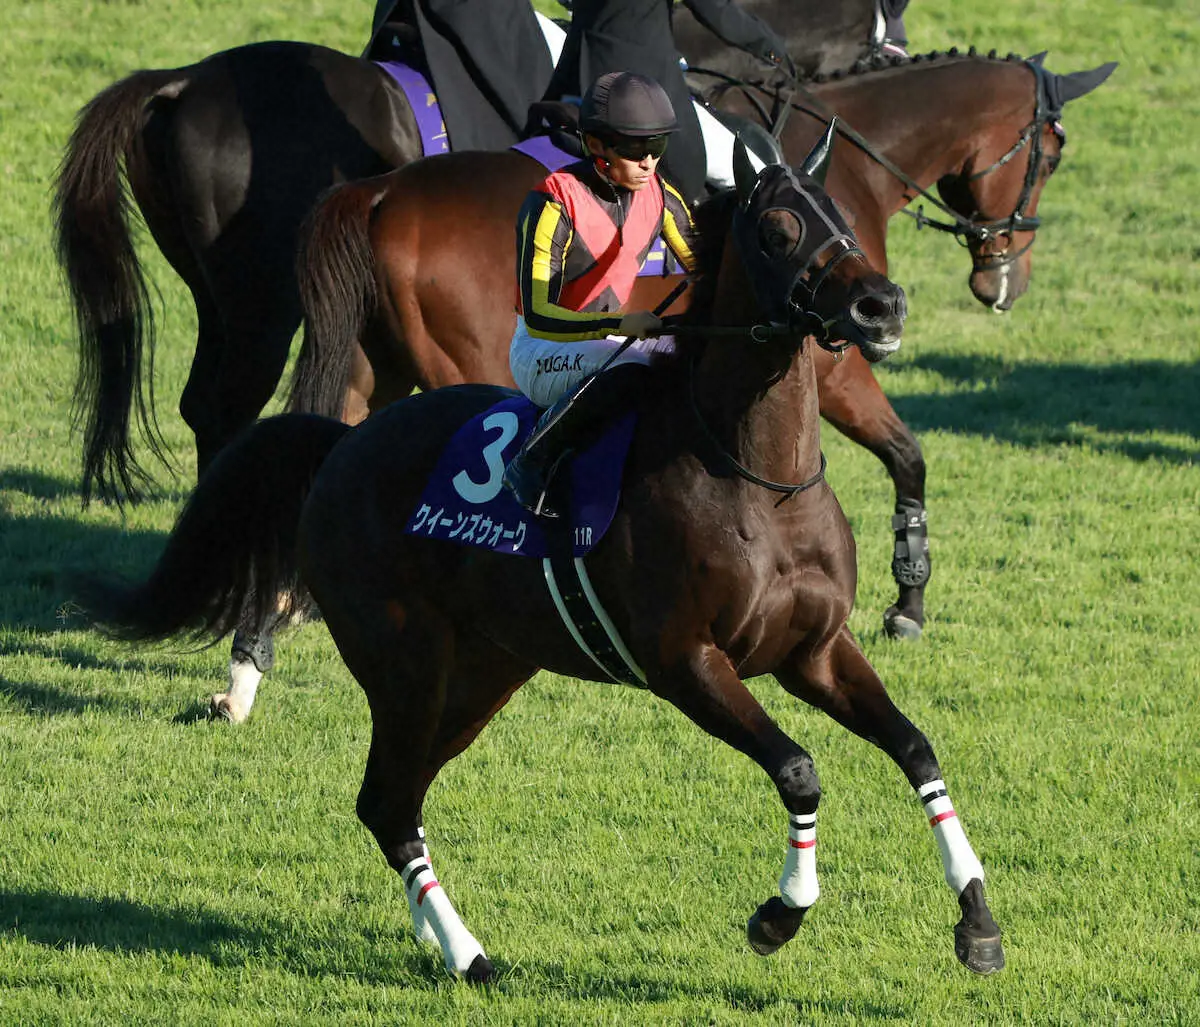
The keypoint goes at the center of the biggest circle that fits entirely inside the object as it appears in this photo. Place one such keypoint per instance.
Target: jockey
(487, 59)
(581, 238)
(636, 35)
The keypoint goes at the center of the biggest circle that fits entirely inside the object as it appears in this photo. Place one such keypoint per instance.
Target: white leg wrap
(425, 895)
(958, 858)
(243, 683)
(421, 926)
(798, 884)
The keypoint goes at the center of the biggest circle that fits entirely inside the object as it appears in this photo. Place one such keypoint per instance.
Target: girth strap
(587, 621)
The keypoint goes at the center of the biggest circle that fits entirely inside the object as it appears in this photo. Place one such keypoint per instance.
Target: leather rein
(965, 230)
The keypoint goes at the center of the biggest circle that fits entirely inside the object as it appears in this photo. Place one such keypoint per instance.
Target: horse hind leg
(430, 692)
(846, 687)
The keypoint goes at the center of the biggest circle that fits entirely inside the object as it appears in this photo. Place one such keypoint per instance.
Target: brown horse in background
(377, 266)
(707, 577)
(224, 159)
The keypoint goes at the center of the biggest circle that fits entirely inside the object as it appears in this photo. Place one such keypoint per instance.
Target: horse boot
(573, 422)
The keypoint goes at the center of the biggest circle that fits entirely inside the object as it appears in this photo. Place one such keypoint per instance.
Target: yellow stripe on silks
(672, 234)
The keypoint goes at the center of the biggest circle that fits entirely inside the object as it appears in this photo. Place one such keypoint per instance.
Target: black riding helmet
(623, 103)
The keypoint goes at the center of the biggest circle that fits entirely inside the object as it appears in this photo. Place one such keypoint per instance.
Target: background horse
(821, 36)
(435, 309)
(708, 575)
(224, 159)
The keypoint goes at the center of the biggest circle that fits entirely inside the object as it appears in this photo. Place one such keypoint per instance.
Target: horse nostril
(872, 309)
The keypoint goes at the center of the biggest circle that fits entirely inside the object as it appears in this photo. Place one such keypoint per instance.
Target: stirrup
(522, 481)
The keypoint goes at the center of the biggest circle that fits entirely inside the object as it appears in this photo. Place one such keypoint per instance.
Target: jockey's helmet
(623, 103)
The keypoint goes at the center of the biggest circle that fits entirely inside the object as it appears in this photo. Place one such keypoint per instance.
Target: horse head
(805, 267)
(996, 192)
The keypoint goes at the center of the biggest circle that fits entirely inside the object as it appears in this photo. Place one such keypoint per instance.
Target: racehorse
(224, 158)
(728, 557)
(376, 267)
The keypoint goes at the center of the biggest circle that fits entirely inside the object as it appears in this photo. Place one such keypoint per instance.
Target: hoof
(219, 708)
(982, 954)
(773, 924)
(480, 971)
(976, 935)
(897, 625)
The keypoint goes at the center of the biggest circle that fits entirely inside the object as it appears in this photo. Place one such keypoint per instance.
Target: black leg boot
(575, 421)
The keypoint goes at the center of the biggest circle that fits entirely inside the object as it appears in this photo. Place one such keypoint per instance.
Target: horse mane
(881, 62)
(711, 218)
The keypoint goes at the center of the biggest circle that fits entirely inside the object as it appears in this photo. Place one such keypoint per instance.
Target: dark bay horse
(434, 308)
(708, 575)
(224, 158)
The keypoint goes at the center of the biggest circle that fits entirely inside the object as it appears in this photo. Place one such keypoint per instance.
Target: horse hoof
(982, 954)
(219, 708)
(976, 935)
(480, 971)
(897, 625)
(773, 924)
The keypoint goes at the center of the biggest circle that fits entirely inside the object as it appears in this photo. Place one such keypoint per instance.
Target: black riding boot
(573, 422)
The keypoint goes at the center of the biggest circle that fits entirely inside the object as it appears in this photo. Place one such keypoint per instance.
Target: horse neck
(930, 118)
(758, 399)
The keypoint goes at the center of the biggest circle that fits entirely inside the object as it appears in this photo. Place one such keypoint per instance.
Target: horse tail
(91, 209)
(335, 269)
(232, 552)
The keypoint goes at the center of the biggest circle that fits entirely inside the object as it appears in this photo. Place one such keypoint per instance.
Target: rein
(965, 230)
(788, 489)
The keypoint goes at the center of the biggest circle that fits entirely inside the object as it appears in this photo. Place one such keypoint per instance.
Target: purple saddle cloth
(465, 503)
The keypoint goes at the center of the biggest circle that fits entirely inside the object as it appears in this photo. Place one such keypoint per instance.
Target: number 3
(483, 492)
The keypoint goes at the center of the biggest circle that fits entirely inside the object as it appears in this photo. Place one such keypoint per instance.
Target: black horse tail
(91, 208)
(335, 269)
(232, 552)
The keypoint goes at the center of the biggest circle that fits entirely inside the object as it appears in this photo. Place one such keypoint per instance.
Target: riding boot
(573, 422)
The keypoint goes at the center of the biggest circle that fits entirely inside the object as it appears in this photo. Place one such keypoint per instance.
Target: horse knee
(798, 785)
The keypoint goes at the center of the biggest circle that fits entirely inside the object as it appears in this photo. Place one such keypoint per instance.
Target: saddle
(559, 120)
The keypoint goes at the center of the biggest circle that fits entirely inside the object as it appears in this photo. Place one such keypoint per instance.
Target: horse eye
(779, 233)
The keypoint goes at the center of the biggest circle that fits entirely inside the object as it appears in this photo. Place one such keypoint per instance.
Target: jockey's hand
(640, 324)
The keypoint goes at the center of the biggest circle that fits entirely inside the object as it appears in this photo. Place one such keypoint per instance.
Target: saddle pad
(552, 157)
(424, 106)
(464, 502)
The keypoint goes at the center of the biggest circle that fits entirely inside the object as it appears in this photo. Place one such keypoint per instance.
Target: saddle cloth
(464, 502)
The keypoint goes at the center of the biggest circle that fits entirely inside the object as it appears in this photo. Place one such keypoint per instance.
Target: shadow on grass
(1034, 404)
(64, 921)
(44, 555)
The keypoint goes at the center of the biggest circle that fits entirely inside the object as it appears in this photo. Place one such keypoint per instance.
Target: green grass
(156, 868)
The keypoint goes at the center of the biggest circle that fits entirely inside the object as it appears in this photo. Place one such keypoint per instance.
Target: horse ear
(1080, 83)
(745, 178)
(1038, 58)
(816, 164)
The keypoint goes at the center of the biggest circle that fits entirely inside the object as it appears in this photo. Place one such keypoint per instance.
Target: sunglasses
(637, 149)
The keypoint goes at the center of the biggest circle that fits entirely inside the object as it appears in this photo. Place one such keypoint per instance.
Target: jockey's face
(627, 162)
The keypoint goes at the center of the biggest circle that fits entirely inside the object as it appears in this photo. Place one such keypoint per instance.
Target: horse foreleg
(708, 690)
(844, 684)
(853, 402)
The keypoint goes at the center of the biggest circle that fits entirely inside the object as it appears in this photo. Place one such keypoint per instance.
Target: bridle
(801, 319)
(969, 232)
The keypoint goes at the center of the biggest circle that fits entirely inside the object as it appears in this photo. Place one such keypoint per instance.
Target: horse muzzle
(874, 321)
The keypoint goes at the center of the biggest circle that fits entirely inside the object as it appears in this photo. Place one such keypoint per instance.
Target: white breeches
(544, 369)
